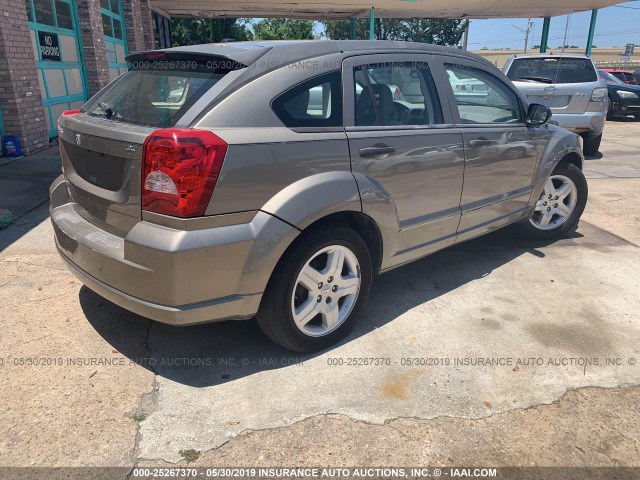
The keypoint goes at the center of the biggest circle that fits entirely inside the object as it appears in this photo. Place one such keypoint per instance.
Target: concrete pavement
(111, 388)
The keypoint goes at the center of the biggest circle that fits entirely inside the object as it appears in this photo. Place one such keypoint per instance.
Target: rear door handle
(376, 150)
(480, 142)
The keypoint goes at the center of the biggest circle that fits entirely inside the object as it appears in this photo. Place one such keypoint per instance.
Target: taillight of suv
(180, 170)
(599, 94)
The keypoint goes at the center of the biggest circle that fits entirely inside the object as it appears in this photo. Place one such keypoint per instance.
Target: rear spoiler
(234, 56)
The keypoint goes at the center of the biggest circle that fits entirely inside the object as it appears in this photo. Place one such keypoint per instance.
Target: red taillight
(71, 112)
(397, 93)
(180, 170)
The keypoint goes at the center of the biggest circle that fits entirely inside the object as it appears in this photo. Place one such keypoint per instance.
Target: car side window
(395, 93)
(482, 97)
(316, 102)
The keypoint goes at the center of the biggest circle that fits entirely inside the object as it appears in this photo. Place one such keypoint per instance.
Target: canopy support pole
(592, 31)
(545, 34)
(372, 18)
(465, 37)
(352, 22)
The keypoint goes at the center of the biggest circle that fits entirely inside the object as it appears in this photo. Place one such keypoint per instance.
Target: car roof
(549, 55)
(616, 70)
(289, 51)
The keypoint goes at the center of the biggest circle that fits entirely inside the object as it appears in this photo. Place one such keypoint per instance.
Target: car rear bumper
(172, 276)
(591, 123)
(227, 308)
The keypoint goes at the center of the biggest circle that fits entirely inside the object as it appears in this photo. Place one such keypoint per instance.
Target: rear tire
(568, 188)
(317, 291)
(609, 109)
(591, 145)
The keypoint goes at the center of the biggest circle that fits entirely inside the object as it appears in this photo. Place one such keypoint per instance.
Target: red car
(625, 76)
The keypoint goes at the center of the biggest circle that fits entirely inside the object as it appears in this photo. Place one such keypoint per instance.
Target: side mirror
(537, 115)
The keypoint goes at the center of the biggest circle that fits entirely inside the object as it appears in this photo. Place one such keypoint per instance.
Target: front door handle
(378, 149)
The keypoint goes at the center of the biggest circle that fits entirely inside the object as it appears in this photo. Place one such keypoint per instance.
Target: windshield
(157, 98)
(606, 77)
(552, 70)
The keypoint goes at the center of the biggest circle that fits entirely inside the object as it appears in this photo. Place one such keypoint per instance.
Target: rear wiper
(108, 111)
(536, 79)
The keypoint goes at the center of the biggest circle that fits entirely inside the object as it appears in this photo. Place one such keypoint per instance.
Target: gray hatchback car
(275, 180)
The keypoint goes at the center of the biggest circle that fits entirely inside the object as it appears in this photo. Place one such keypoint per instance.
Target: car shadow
(594, 156)
(211, 354)
(24, 191)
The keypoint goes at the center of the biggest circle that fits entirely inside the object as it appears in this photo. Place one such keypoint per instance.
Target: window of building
(481, 97)
(44, 12)
(314, 103)
(63, 14)
(29, 12)
(106, 25)
(56, 13)
(114, 36)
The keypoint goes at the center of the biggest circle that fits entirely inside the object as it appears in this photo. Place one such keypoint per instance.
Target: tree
(436, 31)
(283, 29)
(193, 31)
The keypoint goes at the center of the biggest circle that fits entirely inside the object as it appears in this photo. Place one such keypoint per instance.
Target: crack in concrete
(147, 402)
(389, 422)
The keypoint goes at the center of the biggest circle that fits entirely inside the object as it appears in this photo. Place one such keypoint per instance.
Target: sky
(616, 26)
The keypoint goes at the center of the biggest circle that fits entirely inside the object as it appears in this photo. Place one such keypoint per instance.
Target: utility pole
(526, 35)
(526, 31)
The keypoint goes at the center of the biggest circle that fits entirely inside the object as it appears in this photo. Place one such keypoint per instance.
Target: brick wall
(20, 99)
(93, 48)
(147, 25)
(133, 21)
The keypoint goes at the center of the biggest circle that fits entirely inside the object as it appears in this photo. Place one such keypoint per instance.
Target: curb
(6, 218)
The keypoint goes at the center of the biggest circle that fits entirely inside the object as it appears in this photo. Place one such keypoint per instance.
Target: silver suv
(276, 180)
(569, 85)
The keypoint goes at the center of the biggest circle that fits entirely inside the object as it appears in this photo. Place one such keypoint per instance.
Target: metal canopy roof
(337, 9)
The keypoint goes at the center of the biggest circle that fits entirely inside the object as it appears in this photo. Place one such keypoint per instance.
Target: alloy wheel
(326, 290)
(556, 203)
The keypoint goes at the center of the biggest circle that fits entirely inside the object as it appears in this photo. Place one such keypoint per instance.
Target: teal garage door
(56, 47)
(114, 36)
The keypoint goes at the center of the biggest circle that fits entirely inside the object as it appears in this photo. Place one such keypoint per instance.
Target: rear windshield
(553, 70)
(156, 97)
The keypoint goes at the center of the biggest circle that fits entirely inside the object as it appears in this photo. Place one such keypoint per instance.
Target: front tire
(559, 206)
(591, 145)
(317, 291)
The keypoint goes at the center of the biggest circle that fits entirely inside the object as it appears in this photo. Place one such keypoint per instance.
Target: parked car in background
(625, 76)
(286, 176)
(623, 99)
(569, 86)
(467, 85)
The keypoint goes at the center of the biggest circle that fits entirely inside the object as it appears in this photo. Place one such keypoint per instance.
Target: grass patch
(190, 455)
(139, 417)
